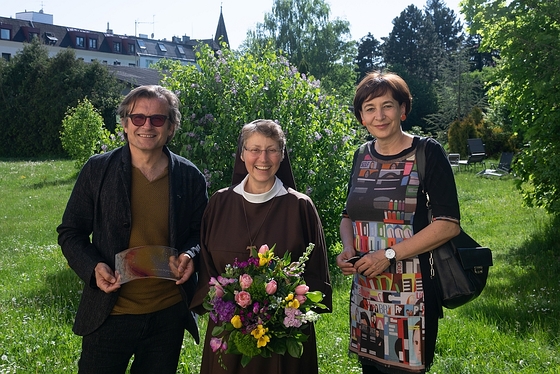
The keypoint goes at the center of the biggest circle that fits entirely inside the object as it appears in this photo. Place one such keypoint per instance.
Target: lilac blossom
(223, 310)
(291, 319)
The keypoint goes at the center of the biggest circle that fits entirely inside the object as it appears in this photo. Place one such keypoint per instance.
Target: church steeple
(221, 33)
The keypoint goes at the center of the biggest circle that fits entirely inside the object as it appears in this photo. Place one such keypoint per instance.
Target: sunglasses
(156, 120)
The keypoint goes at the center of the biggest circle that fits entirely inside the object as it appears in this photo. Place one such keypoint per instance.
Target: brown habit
(291, 222)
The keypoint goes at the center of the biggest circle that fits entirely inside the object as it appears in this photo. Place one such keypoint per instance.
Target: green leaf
(315, 296)
(295, 348)
(245, 360)
(217, 330)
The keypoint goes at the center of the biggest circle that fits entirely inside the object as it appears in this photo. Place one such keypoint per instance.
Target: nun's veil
(284, 172)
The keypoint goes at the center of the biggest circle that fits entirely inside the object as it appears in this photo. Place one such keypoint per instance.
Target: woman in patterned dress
(385, 225)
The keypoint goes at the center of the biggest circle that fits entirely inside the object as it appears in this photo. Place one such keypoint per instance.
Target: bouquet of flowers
(262, 306)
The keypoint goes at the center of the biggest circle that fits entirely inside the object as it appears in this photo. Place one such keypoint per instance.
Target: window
(181, 50)
(92, 43)
(131, 49)
(50, 39)
(117, 47)
(33, 35)
(6, 56)
(5, 34)
(162, 47)
(80, 42)
(141, 44)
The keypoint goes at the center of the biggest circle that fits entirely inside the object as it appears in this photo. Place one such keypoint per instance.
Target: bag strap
(421, 169)
(421, 163)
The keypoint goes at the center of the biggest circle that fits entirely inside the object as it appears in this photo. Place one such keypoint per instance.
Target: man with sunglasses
(141, 194)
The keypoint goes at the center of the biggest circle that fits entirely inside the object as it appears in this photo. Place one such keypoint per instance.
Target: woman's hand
(346, 267)
(372, 264)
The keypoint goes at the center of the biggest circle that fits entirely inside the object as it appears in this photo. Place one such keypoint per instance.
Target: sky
(199, 18)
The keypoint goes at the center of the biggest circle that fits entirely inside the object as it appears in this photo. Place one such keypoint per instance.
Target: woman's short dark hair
(377, 84)
(266, 127)
(152, 92)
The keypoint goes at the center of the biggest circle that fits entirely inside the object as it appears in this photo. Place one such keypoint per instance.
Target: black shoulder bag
(461, 265)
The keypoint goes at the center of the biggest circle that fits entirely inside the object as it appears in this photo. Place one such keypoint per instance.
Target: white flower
(309, 316)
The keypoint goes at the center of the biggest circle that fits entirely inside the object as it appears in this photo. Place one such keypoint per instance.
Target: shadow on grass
(60, 296)
(70, 180)
(526, 295)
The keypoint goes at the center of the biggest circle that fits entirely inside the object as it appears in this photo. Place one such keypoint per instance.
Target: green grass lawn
(513, 327)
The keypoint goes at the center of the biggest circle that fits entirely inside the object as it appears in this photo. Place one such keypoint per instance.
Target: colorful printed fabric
(386, 311)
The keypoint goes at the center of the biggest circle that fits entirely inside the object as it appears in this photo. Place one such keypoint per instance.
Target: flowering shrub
(226, 90)
(262, 306)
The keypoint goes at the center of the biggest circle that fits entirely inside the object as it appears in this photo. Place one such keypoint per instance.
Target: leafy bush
(82, 130)
(225, 91)
(477, 124)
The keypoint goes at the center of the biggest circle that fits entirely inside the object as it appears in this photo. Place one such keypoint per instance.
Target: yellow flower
(290, 297)
(294, 304)
(264, 258)
(236, 321)
(263, 341)
(259, 332)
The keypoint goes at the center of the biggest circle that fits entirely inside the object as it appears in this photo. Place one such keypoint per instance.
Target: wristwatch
(391, 255)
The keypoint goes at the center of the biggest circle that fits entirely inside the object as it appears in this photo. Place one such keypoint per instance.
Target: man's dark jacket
(100, 205)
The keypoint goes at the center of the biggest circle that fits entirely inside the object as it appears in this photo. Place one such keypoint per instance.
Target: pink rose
(302, 289)
(263, 249)
(245, 281)
(301, 299)
(243, 298)
(271, 287)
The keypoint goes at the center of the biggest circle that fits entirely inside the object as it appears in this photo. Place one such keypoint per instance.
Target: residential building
(106, 47)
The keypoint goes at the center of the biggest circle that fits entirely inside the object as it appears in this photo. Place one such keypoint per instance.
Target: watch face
(390, 253)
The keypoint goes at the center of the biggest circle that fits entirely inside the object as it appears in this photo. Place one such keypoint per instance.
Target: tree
(370, 57)
(413, 44)
(448, 28)
(458, 91)
(317, 46)
(36, 91)
(227, 90)
(526, 82)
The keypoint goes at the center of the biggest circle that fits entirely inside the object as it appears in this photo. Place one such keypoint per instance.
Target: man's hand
(184, 269)
(106, 279)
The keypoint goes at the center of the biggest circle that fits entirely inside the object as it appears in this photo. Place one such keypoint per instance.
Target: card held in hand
(149, 261)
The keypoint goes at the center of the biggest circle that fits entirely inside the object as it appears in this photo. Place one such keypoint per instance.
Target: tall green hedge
(36, 91)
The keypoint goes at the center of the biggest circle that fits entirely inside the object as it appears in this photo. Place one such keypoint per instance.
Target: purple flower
(291, 319)
(217, 344)
(223, 310)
